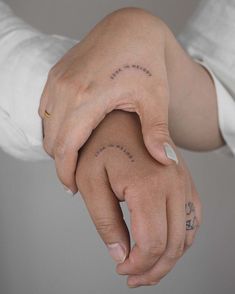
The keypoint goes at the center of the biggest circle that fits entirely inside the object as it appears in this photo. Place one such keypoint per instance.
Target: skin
(172, 100)
(165, 209)
(81, 89)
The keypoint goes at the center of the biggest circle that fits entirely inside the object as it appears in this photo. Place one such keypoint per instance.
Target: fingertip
(120, 270)
(132, 282)
(163, 153)
(117, 251)
(69, 190)
(66, 173)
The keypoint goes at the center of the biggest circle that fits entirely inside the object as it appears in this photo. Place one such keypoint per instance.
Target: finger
(153, 114)
(191, 224)
(42, 108)
(105, 211)
(74, 132)
(49, 124)
(149, 230)
(197, 204)
(175, 245)
(193, 218)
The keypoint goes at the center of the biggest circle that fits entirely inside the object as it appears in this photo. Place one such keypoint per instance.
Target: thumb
(154, 123)
(106, 213)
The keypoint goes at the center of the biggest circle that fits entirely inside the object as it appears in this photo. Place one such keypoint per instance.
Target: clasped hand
(165, 210)
(123, 63)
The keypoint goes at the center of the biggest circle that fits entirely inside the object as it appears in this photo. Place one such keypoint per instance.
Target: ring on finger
(46, 114)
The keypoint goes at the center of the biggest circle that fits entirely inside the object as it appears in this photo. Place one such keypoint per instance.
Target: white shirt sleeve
(26, 56)
(209, 38)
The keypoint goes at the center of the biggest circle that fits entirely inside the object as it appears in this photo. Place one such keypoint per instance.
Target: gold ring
(47, 114)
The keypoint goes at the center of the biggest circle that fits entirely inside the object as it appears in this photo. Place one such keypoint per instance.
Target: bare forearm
(193, 114)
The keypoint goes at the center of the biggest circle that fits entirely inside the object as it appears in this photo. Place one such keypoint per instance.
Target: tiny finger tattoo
(191, 224)
(189, 208)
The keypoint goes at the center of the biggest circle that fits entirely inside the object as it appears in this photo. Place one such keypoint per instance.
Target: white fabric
(26, 56)
(209, 37)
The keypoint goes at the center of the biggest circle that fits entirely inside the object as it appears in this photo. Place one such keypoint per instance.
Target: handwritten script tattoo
(190, 209)
(128, 67)
(191, 224)
(115, 146)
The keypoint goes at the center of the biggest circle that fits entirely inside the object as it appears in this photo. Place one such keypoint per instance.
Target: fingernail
(170, 153)
(117, 252)
(67, 190)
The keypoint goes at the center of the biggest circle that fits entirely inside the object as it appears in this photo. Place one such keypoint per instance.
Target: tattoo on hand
(189, 208)
(130, 66)
(191, 224)
(115, 146)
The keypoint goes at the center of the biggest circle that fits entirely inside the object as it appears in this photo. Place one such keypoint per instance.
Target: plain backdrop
(48, 244)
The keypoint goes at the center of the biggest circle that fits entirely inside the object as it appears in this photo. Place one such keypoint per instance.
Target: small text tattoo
(115, 146)
(128, 67)
(191, 224)
(189, 208)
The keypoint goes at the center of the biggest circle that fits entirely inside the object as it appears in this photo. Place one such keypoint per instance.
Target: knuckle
(105, 226)
(65, 81)
(72, 83)
(88, 181)
(155, 249)
(133, 193)
(175, 252)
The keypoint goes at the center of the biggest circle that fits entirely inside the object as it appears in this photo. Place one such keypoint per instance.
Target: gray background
(48, 244)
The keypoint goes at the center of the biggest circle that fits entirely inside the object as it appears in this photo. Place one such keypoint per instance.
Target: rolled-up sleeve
(226, 112)
(26, 56)
(208, 38)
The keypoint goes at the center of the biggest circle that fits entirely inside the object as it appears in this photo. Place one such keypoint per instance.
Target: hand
(120, 64)
(165, 209)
